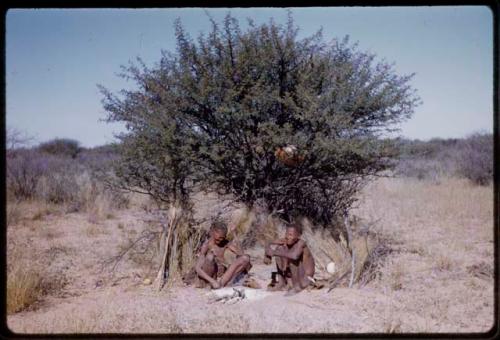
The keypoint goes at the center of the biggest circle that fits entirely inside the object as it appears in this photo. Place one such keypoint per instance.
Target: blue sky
(55, 59)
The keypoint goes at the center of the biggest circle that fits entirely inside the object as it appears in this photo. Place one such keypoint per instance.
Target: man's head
(218, 231)
(292, 234)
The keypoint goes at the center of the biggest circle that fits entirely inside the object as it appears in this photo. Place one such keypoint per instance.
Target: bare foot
(251, 283)
(276, 288)
(293, 291)
(199, 283)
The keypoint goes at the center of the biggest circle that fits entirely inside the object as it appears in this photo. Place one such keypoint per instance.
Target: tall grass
(28, 280)
(24, 287)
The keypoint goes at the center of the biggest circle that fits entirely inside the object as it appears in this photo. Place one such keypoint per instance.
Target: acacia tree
(214, 112)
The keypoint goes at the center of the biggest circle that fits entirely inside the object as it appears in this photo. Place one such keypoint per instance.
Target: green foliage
(213, 114)
(61, 147)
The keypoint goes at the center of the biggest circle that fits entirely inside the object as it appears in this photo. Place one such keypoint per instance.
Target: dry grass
(42, 209)
(100, 209)
(117, 317)
(482, 270)
(443, 263)
(396, 277)
(392, 326)
(48, 232)
(254, 227)
(13, 213)
(431, 271)
(24, 287)
(93, 230)
(28, 280)
(220, 322)
(24, 212)
(325, 250)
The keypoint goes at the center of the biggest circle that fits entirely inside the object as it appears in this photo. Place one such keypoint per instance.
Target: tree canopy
(213, 114)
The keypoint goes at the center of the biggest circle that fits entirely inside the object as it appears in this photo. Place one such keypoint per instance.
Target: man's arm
(199, 264)
(292, 254)
(236, 248)
(279, 242)
(268, 250)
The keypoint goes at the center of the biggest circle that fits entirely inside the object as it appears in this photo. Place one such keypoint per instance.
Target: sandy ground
(437, 233)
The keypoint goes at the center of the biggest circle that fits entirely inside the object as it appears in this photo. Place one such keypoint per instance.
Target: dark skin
(211, 265)
(294, 261)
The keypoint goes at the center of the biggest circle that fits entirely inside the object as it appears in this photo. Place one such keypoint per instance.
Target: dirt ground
(439, 233)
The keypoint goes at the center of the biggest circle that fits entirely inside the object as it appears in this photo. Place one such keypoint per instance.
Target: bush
(222, 110)
(57, 179)
(24, 171)
(59, 185)
(476, 159)
(61, 147)
(470, 158)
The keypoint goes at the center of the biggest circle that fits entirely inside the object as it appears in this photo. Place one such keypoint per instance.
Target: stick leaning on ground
(161, 273)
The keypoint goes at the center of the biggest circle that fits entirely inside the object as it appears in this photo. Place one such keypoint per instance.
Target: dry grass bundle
(179, 243)
(255, 226)
(27, 280)
(375, 261)
(326, 248)
(24, 287)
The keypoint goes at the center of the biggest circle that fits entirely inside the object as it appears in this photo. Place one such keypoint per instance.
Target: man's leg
(299, 277)
(282, 272)
(241, 264)
(209, 267)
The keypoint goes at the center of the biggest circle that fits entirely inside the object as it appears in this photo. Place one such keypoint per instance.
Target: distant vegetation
(61, 147)
(470, 158)
(60, 171)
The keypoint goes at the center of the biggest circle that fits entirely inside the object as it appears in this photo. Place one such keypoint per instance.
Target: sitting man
(212, 268)
(294, 261)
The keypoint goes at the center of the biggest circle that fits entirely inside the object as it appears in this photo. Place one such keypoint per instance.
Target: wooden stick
(161, 273)
(353, 254)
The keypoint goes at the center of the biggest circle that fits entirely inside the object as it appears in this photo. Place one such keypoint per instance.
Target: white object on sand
(330, 267)
(239, 293)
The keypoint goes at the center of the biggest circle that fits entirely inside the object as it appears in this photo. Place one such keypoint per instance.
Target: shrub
(61, 147)
(24, 171)
(221, 111)
(470, 158)
(476, 159)
(59, 184)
